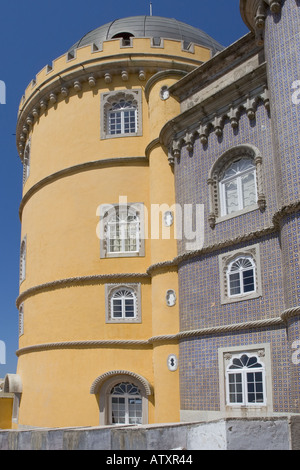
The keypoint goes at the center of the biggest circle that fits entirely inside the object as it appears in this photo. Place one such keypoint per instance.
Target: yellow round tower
(98, 296)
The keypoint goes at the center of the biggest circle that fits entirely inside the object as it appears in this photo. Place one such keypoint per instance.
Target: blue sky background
(32, 34)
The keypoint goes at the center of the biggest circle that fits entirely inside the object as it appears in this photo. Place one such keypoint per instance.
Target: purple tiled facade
(275, 229)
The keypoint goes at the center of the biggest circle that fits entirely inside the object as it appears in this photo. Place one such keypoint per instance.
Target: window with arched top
(121, 114)
(241, 276)
(23, 260)
(26, 162)
(125, 404)
(236, 184)
(121, 230)
(123, 303)
(122, 397)
(245, 377)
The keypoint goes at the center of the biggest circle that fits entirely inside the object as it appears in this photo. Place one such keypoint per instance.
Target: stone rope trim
(182, 335)
(171, 264)
(77, 281)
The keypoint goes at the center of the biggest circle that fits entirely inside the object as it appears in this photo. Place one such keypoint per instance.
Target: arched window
(246, 381)
(238, 186)
(125, 404)
(123, 397)
(241, 276)
(123, 231)
(123, 303)
(26, 162)
(122, 118)
(121, 114)
(23, 260)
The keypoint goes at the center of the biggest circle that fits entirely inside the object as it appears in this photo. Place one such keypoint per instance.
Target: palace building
(159, 264)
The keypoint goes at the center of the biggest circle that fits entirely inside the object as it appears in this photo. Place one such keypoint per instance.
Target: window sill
(223, 218)
(230, 300)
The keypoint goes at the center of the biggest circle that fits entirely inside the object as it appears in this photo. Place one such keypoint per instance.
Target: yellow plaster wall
(6, 408)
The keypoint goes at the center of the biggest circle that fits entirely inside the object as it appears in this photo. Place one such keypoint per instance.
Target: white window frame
(107, 213)
(108, 99)
(122, 295)
(240, 272)
(244, 374)
(119, 114)
(111, 290)
(23, 250)
(225, 356)
(225, 261)
(21, 320)
(26, 161)
(126, 397)
(238, 177)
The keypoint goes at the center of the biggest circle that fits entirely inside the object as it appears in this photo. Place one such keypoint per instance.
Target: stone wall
(282, 433)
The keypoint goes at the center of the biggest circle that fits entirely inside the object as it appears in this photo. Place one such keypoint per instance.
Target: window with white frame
(123, 303)
(23, 260)
(240, 274)
(122, 118)
(26, 162)
(245, 381)
(121, 114)
(238, 186)
(122, 230)
(21, 320)
(125, 404)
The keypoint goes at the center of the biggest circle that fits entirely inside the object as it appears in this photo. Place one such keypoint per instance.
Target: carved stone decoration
(189, 141)
(124, 75)
(52, 98)
(170, 298)
(218, 126)
(176, 148)
(77, 85)
(92, 81)
(251, 108)
(35, 112)
(234, 117)
(172, 362)
(275, 6)
(107, 78)
(64, 91)
(142, 75)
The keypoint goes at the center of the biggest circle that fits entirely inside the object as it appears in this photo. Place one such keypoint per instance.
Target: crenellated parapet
(254, 14)
(78, 71)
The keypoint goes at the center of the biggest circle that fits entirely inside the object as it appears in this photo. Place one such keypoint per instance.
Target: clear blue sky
(32, 34)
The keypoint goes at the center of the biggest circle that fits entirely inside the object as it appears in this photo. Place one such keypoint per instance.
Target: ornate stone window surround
(110, 290)
(21, 319)
(108, 381)
(225, 356)
(107, 100)
(217, 170)
(253, 252)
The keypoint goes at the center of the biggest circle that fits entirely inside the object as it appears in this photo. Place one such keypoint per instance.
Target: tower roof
(155, 27)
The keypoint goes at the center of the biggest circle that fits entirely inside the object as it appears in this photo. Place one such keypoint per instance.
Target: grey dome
(149, 26)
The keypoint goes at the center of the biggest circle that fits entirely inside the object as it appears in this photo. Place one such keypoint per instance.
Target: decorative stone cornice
(254, 13)
(69, 75)
(213, 123)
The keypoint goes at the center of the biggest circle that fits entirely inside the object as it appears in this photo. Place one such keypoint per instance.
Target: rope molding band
(81, 280)
(155, 339)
